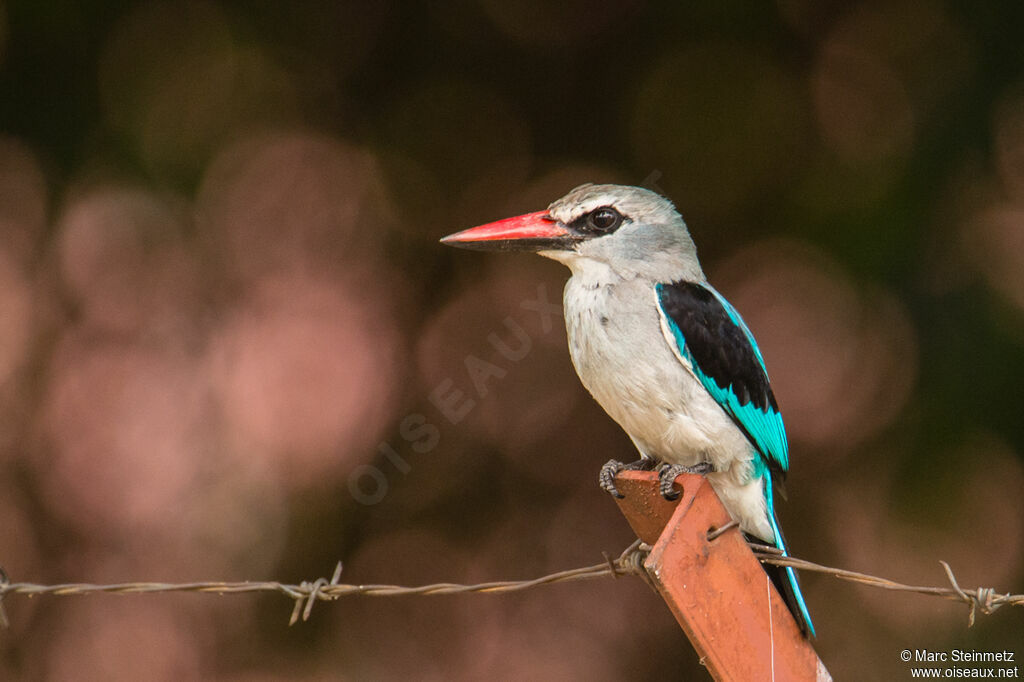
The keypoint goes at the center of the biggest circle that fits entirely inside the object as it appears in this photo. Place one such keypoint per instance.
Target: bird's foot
(667, 475)
(606, 479)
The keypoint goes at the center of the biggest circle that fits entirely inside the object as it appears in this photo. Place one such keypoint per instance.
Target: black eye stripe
(601, 220)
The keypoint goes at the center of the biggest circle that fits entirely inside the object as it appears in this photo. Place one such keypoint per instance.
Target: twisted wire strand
(629, 562)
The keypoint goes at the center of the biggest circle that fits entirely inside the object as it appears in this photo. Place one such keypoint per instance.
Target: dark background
(223, 310)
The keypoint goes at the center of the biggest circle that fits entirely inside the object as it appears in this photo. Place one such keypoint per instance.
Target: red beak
(531, 232)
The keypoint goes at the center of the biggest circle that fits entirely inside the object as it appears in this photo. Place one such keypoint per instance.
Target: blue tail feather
(785, 578)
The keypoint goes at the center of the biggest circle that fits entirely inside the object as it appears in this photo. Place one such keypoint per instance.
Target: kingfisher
(662, 351)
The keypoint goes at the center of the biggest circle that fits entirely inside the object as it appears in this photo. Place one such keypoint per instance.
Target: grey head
(611, 231)
(631, 230)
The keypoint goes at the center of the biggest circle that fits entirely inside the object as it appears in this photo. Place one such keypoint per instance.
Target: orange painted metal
(716, 589)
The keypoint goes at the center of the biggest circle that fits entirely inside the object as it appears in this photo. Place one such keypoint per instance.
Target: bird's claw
(667, 476)
(606, 479)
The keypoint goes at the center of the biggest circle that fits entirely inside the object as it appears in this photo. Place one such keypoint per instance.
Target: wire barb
(984, 597)
(307, 594)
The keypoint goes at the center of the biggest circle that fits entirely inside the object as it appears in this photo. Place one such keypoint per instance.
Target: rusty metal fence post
(716, 589)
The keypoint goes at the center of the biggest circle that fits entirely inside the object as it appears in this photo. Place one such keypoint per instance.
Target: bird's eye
(604, 219)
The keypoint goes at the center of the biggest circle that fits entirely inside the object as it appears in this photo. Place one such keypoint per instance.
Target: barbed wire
(629, 562)
(306, 593)
(985, 599)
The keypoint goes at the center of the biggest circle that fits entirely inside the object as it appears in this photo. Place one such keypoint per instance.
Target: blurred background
(232, 348)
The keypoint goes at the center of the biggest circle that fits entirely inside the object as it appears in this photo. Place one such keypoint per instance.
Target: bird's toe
(606, 478)
(666, 479)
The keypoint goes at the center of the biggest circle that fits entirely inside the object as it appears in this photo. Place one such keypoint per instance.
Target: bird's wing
(710, 337)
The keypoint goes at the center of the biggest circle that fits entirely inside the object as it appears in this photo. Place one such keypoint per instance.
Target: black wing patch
(718, 345)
